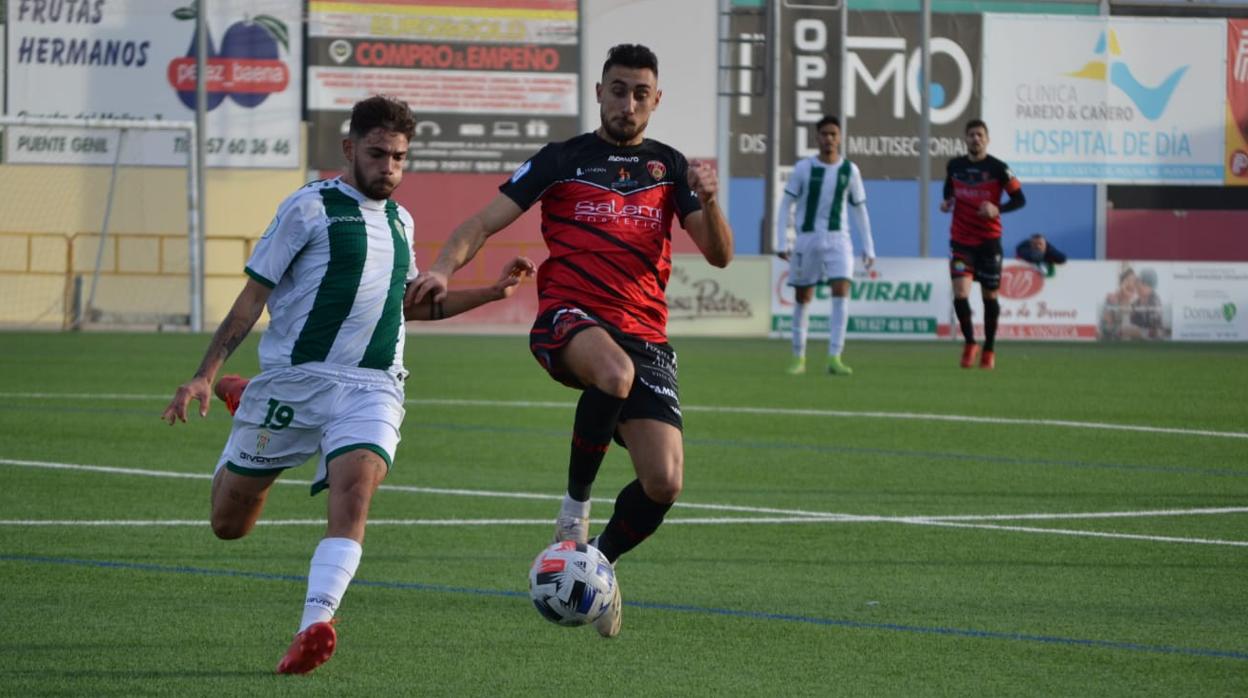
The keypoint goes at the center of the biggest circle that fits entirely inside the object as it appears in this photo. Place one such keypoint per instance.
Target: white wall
(683, 33)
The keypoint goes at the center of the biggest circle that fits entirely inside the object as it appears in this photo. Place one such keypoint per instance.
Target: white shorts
(288, 415)
(818, 258)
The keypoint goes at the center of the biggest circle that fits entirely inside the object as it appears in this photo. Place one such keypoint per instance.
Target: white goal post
(99, 225)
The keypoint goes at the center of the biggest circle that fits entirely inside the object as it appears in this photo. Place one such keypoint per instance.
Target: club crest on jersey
(656, 169)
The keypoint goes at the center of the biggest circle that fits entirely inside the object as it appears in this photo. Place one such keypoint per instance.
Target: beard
(621, 132)
(377, 189)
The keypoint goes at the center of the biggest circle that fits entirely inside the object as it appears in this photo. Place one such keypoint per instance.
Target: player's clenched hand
(868, 262)
(703, 181)
(515, 271)
(428, 283)
(988, 210)
(197, 388)
(946, 206)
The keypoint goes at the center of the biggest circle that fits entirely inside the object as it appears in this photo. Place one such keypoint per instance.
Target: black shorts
(981, 262)
(655, 393)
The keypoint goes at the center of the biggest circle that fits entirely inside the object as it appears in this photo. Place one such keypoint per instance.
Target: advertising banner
(882, 102)
(1209, 302)
(1237, 101)
(1082, 300)
(881, 113)
(135, 59)
(489, 82)
(748, 111)
(1106, 99)
(705, 300)
(900, 298)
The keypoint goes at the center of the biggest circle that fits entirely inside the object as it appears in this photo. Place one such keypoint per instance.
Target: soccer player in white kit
(824, 189)
(333, 267)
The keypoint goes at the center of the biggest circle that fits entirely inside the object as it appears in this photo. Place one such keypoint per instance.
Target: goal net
(95, 223)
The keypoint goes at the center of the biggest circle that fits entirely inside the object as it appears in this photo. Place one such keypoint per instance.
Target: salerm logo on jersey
(617, 213)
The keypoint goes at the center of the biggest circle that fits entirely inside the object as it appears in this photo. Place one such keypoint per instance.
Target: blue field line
(677, 608)
(854, 450)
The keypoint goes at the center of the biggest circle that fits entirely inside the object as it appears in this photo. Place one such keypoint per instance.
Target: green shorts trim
(252, 472)
(324, 484)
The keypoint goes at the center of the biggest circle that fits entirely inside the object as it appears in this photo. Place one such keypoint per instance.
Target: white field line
(1091, 534)
(780, 411)
(793, 516)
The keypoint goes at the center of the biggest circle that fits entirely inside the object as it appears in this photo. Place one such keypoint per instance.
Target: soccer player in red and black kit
(608, 200)
(973, 186)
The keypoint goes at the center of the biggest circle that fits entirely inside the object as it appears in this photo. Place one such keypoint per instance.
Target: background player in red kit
(608, 199)
(973, 186)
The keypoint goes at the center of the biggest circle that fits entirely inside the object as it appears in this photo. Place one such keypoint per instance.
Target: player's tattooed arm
(233, 330)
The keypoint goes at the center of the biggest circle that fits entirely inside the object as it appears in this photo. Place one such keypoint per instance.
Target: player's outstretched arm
(708, 228)
(463, 300)
(465, 241)
(233, 330)
(782, 236)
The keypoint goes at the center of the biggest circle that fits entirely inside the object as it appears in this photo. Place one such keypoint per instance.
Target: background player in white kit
(332, 267)
(817, 245)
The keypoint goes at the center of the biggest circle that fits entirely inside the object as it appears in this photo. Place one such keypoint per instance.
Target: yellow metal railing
(53, 271)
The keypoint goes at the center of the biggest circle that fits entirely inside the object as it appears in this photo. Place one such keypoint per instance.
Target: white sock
(573, 508)
(799, 329)
(838, 322)
(333, 565)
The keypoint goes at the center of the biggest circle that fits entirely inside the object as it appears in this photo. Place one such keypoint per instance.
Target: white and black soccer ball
(571, 583)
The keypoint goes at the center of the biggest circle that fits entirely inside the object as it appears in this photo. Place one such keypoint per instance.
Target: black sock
(597, 413)
(636, 516)
(992, 311)
(962, 307)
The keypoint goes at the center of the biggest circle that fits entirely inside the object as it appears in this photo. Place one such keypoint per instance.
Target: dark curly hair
(384, 112)
(631, 56)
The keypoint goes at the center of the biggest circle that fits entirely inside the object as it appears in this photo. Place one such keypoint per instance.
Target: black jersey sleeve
(533, 177)
(687, 200)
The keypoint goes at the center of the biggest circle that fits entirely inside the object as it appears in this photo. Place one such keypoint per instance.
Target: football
(571, 583)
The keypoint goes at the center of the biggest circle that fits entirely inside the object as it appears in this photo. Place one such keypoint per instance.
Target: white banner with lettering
(135, 59)
(1096, 99)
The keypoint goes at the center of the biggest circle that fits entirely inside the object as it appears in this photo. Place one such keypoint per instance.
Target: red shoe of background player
(310, 649)
(230, 390)
(988, 361)
(969, 352)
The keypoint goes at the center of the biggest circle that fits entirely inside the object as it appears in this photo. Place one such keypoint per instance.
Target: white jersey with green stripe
(338, 263)
(823, 195)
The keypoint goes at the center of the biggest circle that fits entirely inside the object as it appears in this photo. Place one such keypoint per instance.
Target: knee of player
(615, 378)
(665, 489)
(228, 529)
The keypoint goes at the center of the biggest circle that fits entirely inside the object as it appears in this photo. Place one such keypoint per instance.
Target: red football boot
(229, 389)
(969, 352)
(988, 361)
(310, 649)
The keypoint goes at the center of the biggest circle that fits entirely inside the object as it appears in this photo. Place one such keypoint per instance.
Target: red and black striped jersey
(970, 184)
(607, 221)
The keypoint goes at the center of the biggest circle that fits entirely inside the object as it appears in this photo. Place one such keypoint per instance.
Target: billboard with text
(1106, 99)
(489, 82)
(136, 59)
